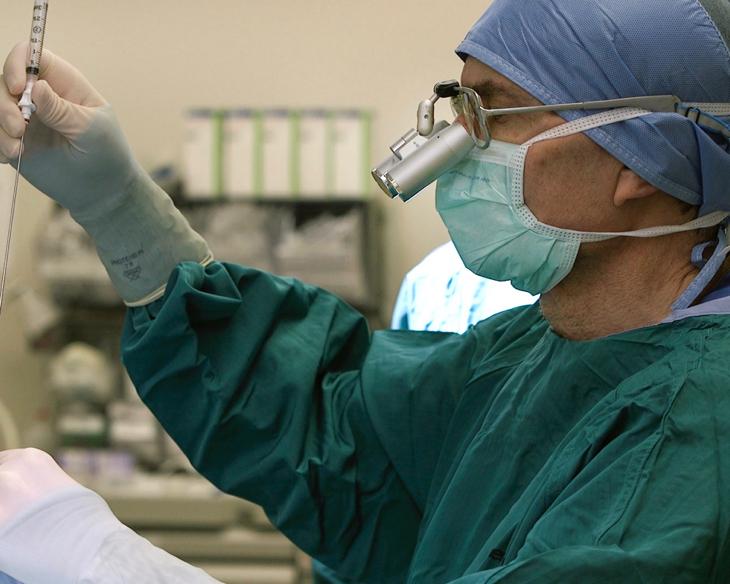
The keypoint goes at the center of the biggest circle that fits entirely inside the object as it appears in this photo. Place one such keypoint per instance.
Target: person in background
(441, 294)
(582, 439)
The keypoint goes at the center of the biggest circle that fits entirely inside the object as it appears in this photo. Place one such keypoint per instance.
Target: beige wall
(152, 59)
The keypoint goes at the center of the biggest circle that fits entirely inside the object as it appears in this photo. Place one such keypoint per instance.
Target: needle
(10, 226)
(27, 108)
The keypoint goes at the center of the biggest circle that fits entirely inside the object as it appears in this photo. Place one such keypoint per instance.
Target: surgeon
(582, 439)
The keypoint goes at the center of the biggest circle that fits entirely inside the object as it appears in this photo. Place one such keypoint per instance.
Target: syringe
(27, 108)
(35, 53)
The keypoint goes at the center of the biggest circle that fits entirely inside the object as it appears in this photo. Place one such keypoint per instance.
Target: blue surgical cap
(585, 50)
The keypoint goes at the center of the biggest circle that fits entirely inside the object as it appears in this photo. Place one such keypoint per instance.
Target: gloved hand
(51, 528)
(54, 531)
(76, 153)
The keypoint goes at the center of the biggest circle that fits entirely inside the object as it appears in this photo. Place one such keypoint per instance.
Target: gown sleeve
(278, 393)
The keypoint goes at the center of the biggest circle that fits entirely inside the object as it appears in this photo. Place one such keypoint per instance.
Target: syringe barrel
(37, 37)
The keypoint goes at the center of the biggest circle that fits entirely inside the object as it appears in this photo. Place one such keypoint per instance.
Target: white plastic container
(350, 154)
(313, 133)
(203, 154)
(242, 169)
(278, 154)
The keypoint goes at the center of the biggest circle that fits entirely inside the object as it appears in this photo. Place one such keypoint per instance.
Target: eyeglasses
(467, 103)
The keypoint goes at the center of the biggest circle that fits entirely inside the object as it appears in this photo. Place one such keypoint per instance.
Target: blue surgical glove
(76, 153)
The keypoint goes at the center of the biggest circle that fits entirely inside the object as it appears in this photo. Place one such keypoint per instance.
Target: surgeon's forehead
(493, 86)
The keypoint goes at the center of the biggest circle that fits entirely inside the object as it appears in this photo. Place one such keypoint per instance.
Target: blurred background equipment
(327, 250)
(82, 381)
(277, 154)
(331, 244)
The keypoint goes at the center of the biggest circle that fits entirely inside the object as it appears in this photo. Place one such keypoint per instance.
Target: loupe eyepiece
(422, 155)
(419, 161)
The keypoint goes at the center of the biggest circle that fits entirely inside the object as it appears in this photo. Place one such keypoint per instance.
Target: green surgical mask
(481, 201)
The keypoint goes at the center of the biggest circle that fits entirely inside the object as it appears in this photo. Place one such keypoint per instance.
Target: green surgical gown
(506, 454)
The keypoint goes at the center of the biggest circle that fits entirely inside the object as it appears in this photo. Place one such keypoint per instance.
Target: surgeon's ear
(631, 186)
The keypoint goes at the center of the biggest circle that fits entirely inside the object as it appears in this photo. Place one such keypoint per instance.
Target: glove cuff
(141, 238)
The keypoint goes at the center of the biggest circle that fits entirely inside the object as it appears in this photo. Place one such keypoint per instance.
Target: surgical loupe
(423, 154)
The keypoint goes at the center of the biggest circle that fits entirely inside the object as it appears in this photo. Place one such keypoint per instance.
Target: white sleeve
(127, 557)
(72, 537)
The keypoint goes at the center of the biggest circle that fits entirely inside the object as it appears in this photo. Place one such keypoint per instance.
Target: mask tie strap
(592, 122)
(589, 123)
(707, 274)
